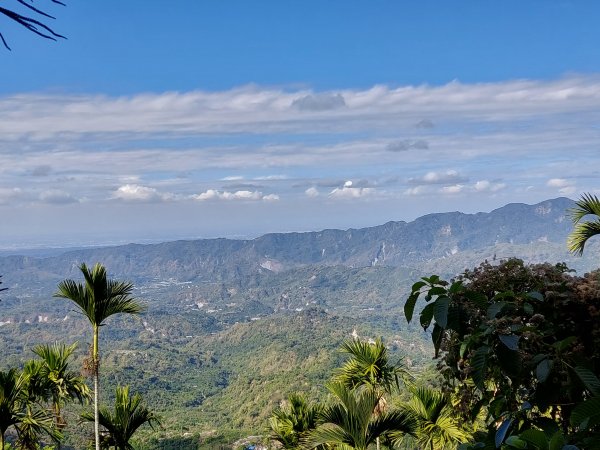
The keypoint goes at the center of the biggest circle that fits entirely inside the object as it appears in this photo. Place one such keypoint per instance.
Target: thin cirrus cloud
(41, 117)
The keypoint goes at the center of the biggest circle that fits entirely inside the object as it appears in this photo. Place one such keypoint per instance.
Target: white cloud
(567, 190)
(319, 102)
(135, 192)
(213, 194)
(454, 189)
(271, 198)
(347, 191)
(44, 117)
(487, 186)
(447, 177)
(312, 192)
(557, 182)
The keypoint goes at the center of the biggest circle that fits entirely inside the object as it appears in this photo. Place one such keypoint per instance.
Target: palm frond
(582, 232)
(587, 205)
(368, 365)
(127, 416)
(100, 297)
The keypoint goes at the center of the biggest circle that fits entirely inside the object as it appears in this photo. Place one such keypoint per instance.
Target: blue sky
(158, 120)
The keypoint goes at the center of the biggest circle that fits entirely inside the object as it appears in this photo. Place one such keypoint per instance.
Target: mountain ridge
(395, 243)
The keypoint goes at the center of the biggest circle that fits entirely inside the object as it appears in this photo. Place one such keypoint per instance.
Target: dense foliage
(522, 344)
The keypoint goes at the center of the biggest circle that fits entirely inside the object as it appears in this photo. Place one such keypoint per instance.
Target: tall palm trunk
(95, 365)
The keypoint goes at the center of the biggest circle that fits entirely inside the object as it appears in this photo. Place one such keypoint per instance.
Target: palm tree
(129, 415)
(290, 422)
(350, 422)
(99, 299)
(18, 411)
(588, 204)
(431, 412)
(61, 384)
(369, 366)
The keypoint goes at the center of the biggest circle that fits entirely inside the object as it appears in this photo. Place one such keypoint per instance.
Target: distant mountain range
(451, 240)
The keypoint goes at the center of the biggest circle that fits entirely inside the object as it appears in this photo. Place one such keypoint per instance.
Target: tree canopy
(522, 343)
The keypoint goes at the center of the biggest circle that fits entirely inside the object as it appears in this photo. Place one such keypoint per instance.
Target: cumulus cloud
(557, 182)
(402, 146)
(565, 187)
(213, 194)
(488, 186)
(448, 177)
(136, 192)
(312, 192)
(319, 102)
(270, 198)
(348, 191)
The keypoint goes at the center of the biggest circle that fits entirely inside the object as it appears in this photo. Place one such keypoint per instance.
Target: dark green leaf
(436, 337)
(589, 380)
(409, 306)
(479, 365)
(543, 369)
(494, 309)
(440, 311)
(515, 442)
(503, 295)
(557, 441)
(536, 296)
(536, 438)
(564, 344)
(455, 287)
(510, 340)
(528, 308)
(426, 316)
(587, 411)
(477, 298)
(418, 285)
(501, 433)
(435, 291)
